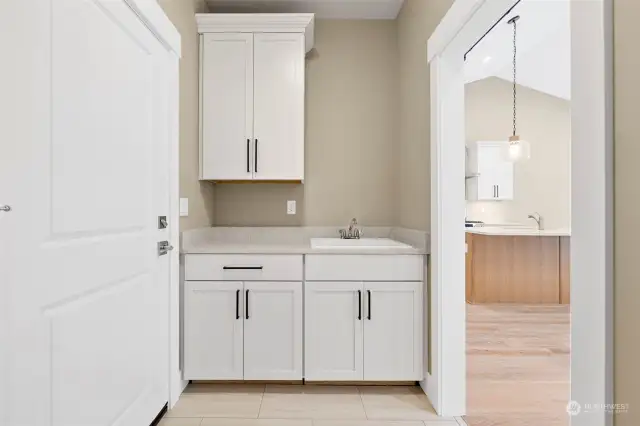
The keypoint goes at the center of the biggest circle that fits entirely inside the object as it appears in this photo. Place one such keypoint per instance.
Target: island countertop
(519, 231)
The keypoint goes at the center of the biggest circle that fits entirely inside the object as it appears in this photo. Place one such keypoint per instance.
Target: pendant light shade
(517, 149)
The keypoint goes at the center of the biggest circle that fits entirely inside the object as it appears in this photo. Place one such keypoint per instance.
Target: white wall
(542, 183)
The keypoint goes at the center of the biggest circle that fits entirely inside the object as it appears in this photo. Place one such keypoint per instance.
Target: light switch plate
(291, 207)
(184, 207)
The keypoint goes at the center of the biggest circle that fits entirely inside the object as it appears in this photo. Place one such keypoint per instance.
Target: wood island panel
(514, 269)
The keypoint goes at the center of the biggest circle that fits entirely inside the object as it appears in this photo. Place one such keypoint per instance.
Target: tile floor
(297, 405)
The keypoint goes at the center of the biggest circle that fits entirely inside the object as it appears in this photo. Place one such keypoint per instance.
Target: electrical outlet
(291, 207)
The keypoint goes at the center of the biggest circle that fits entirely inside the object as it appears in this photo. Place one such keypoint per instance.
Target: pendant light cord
(515, 93)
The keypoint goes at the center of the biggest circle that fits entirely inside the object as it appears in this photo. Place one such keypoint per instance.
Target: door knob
(164, 247)
(5, 208)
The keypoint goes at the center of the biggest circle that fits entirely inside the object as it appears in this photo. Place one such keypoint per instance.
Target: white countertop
(519, 231)
(294, 240)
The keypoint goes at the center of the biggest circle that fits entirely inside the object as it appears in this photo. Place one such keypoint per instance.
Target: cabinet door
(279, 106)
(226, 116)
(504, 181)
(273, 331)
(393, 331)
(333, 330)
(490, 161)
(213, 330)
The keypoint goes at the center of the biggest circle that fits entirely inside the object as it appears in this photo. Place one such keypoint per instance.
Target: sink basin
(362, 243)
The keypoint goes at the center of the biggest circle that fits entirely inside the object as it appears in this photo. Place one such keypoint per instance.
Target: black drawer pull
(246, 305)
(237, 304)
(248, 161)
(240, 268)
(369, 296)
(359, 305)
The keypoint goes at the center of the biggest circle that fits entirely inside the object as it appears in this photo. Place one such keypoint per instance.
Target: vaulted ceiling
(543, 46)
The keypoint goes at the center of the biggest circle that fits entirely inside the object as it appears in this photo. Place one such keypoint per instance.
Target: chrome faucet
(538, 218)
(352, 232)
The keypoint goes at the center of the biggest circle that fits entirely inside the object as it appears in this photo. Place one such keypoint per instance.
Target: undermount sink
(362, 243)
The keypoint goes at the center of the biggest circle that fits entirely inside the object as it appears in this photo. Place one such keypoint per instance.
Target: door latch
(162, 222)
(164, 247)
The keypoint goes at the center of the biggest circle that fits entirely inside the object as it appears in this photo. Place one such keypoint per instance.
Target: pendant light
(518, 149)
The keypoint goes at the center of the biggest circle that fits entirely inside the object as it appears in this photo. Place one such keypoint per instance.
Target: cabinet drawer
(241, 267)
(364, 267)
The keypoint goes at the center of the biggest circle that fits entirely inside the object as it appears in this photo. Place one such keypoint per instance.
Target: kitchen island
(517, 265)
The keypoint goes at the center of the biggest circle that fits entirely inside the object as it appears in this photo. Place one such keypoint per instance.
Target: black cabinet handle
(237, 304)
(359, 305)
(498, 191)
(248, 161)
(246, 305)
(369, 297)
(233, 268)
(255, 156)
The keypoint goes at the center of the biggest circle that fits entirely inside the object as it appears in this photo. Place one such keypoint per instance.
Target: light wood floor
(517, 365)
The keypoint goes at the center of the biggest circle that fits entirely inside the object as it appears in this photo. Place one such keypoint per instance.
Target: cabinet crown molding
(259, 23)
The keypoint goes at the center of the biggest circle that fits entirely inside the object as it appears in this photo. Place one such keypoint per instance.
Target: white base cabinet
(250, 317)
(333, 331)
(363, 331)
(242, 330)
(273, 331)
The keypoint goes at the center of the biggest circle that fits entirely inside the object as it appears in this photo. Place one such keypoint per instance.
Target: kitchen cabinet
(243, 317)
(490, 173)
(243, 330)
(363, 331)
(213, 330)
(273, 331)
(524, 269)
(393, 331)
(252, 86)
(333, 331)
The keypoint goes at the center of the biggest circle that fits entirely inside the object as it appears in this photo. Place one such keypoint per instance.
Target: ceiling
(543, 46)
(324, 9)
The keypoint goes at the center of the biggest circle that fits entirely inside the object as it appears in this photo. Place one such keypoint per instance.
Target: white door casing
(213, 327)
(393, 331)
(334, 315)
(273, 331)
(592, 180)
(279, 86)
(227, 106)
(87, 296)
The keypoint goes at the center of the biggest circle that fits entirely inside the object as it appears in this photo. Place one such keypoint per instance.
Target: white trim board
(591, 177)
(259, 23)
(150, 12)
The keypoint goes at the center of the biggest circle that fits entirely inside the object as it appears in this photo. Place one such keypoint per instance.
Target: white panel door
(273, 331)
(213, 324)
(333, 330)
(393, 331)
(227, 106)
(279, 106)
(87, 308)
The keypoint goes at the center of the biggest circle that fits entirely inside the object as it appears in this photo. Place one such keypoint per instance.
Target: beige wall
(542, 183)
(200, 195)
(416, 22)
(627, 208)
(351, 136)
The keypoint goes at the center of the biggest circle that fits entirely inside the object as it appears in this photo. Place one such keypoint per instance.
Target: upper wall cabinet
(252, 85)
(491, 175)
